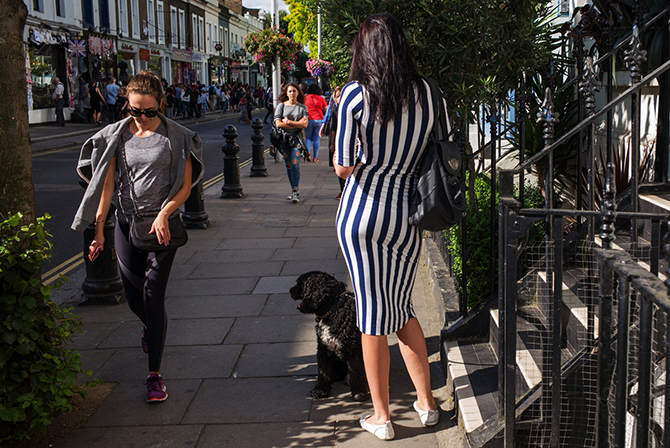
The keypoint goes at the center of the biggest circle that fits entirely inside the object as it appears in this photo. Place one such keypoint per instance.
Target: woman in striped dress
(388, 109)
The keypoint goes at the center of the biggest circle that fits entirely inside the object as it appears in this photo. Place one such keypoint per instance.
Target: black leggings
(145, 277)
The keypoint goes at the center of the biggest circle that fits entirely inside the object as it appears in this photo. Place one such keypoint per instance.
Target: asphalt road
(58, 192)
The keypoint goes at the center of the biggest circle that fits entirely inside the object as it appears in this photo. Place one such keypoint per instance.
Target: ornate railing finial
(589, 85)
(547, 117)
(608, 208)
(635, 56)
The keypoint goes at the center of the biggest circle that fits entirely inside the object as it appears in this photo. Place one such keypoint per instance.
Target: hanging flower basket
(268, 43)
(319, 67)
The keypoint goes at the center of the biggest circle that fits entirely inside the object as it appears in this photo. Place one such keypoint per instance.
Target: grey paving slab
(255, 243)
(252, 400)
(181, 271)
(268, 435)
(128, 334)
(275, 360)
(317, 243)
(93, 360)
(179, 362)
(210, 287)
(126, 405)
(258, 233)
(275, 285)
(210, 331)
(103, 313)
(304, 254)
(250, 330)
(350, 434)
(187, 307)
(280, 305)
(310, 231)
(237, 255)
(336, 268)
(167, 436)
(93, 335)
(237, 269)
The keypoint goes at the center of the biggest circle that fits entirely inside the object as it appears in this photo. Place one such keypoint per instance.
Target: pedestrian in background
(59, 101)
(121, 105)
(169, 101)
(111, 90)
(178, 93)
(97, 101)
(329, 128)
(380, 247)
(291, 115)
(316, 106)
(269, 105)
(151, 163)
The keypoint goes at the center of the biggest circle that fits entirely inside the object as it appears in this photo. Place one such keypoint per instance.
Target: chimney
(235, 5)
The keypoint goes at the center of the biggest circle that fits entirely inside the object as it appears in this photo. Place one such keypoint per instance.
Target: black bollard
(194, 216)
(102, 285)
(231, 165)
(258, 168)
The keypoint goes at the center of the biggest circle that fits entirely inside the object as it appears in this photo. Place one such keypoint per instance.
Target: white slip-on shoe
(428, 418)
(383, 432)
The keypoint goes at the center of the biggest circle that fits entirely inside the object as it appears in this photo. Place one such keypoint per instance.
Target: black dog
(339, 354)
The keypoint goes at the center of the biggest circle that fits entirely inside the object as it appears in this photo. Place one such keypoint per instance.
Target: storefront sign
(144, 54)
(155, 52)
(196, 57)
(236, 65)
(127, 47)
(181, 55)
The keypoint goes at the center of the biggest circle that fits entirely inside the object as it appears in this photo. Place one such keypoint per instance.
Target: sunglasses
(149, 113)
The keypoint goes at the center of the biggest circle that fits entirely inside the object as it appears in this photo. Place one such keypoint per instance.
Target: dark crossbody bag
(437, 199)
(140, 225)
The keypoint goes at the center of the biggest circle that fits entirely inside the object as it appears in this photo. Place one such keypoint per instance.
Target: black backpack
(437, 200)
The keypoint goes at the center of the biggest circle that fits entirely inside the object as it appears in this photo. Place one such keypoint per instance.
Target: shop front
(101, 56)
(182, 72)
(128, 61)
(46, 57)
(198, 67)
(216, 70)
(156, 63)
(236, 71)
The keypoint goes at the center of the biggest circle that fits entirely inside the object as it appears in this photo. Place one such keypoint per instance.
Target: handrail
(565, 137)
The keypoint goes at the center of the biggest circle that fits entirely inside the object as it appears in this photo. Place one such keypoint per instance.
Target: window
(87, 13)
(210, 38)
(174, 28)
(182, 29)
(123, 17)
(38, 5)
(104, 15)
(201, 33)
(151, 19)
(194, 32)
(220, 40)
(135, 13)
(563, 7)
(160, 22)
(60, 8)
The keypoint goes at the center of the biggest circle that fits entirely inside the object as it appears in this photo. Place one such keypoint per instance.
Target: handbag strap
(440, 122)
(133, 197)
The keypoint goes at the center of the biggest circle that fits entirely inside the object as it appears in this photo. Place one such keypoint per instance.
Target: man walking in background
(111, 91)
(59, 101)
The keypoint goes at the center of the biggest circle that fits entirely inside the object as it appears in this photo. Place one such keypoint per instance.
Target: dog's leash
(340, 303)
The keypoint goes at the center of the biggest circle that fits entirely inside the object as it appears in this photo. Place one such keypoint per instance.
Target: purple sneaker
(155, 388)
(145, 346)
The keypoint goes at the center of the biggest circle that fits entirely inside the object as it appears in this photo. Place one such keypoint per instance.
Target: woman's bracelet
(99, 220)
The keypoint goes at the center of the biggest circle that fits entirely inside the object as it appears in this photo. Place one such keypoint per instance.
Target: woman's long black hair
(383, 64)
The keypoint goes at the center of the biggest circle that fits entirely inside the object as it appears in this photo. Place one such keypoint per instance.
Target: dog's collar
(340, 303)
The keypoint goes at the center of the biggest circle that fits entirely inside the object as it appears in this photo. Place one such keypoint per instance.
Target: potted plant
(320, 68)
(268, 43)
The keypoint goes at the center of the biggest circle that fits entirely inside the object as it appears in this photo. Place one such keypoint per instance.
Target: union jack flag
(77, 47)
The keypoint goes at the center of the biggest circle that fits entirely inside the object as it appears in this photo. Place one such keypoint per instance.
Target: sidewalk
(240, 360)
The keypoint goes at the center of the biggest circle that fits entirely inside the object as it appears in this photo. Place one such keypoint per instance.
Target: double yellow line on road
(68, 265)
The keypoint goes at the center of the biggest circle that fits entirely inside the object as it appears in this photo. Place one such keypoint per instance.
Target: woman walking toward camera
(388, 105)
(151, 163)
(291, 115)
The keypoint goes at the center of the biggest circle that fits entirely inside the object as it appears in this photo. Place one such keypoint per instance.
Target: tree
(16, 174)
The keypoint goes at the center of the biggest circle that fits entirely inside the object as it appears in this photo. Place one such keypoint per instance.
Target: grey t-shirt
(293, 113)
(149, 160)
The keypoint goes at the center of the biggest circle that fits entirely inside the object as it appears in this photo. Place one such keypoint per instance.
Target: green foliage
(37, 371)
(480, 230)
(475, 50)
(268, 43)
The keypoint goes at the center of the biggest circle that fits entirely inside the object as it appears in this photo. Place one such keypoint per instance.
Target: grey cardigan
(98, 151)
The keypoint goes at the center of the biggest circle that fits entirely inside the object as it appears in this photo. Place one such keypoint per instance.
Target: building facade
(86, 41)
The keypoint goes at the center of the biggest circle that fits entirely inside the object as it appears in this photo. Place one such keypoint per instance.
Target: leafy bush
(37, 371)
(479, 233)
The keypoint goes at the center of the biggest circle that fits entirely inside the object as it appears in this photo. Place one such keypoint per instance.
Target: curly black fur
(339, 354)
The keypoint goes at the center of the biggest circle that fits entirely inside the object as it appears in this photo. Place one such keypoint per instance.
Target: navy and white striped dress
(380, 247)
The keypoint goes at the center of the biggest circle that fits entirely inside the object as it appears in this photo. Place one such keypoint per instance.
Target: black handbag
(277, 136)
(141, 222)
(437, 199)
